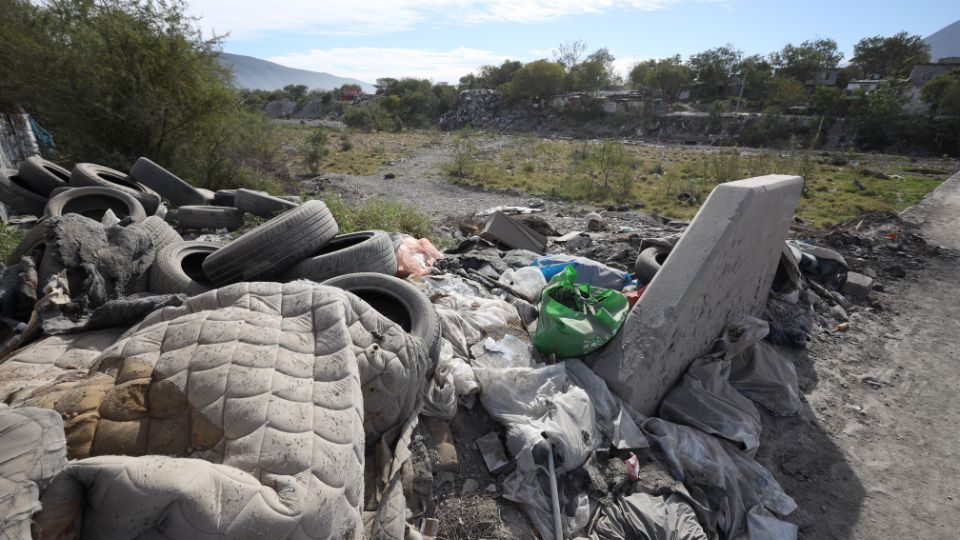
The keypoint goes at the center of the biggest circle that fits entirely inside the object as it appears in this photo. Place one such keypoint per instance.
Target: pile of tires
(298, 241)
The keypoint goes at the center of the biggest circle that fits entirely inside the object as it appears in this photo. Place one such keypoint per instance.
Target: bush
(9, 240)
(378, 214)
(113, 80)
(370, 116)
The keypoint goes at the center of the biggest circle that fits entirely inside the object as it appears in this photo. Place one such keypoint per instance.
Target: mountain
(944, 42)
(256, 74)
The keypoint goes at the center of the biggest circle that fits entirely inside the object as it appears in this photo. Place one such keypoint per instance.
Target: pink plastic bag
(416, 257)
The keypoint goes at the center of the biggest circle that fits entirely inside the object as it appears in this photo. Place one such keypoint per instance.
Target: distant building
(867, 85)
(921, 74)
(350, 92)
(824, 77)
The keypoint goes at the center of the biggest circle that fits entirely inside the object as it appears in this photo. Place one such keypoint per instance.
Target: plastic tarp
(465, 320)
(758, 370)
(528, 282)
(415, 257)
(576, 411)
(718, 475)
(647, 517)
(588, 271)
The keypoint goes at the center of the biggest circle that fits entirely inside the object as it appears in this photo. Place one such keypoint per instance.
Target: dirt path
(877, 452)
(419, 182)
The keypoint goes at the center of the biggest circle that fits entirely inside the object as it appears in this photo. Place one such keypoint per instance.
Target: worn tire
(209, 217)
(224, 197)
(261, 204)
(165, 183)
(649, 262)
(161, 232)
(270, 249)
(92, 202)
(91, 174)
(179, 268)
(15, 193)
(43, 176)
(397, 300)
(364, 251)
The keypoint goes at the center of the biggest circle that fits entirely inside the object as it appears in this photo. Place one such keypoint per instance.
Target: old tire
(15, 193)
(225, 197)
(398, 301)
(270, 249)
(93, 175)
(165, 183)
(209, 217)
(261, 204)
(649, 262)
(161, 232)
(364, 251)
(43, 176)
(93, 202)
(179, 268)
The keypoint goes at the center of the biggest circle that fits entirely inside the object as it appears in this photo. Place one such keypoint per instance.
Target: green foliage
(540, 78)
(490, 77)
(378, 214)
(414, 103)
(803, 61)
(610, 166)
(785, 92)
(827, 100)
(371, 116)
(296, 92)
(316, 148)
(464, 155)
(892, 56)
(9, 240)
(714, 68)
(594, 73)
(665, 77)
(117, 79)
(756, 75)
(876, 116)
(943, 93)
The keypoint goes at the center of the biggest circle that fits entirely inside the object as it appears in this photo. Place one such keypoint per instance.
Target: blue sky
(443, 39)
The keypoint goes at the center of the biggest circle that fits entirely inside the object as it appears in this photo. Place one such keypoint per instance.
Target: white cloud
(245, 19)
(370, 63)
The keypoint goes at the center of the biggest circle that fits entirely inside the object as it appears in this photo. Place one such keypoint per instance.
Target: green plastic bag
(576, 319)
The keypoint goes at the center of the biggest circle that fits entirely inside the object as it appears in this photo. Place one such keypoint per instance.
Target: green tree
(876, 116)
(943, 93)
(891, 56)
(803, 61)
(714, 68)
(295, 92)
(540, 78)
(827, 100)
(317, 148)
(756, 75)
(785, 92)
(594, 73)
(117, 79)
(665, 76)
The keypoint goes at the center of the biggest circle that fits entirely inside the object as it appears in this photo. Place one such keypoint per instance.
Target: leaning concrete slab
(722, 266)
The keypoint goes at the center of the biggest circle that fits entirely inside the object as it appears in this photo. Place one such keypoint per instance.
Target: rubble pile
(289, 380)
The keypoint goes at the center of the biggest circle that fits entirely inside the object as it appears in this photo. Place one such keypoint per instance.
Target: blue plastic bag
(588, 271)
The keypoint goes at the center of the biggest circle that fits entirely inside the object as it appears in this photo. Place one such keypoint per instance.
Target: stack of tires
(298, 241)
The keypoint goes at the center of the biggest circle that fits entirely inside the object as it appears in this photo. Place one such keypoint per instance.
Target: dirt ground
(874, 453)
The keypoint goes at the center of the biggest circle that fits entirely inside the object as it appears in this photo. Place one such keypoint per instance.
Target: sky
(443, 40)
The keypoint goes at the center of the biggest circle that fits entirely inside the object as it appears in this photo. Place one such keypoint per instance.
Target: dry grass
(471, 516)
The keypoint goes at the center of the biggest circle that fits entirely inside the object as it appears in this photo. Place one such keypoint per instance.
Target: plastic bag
(416, 257)
(528, 282)
(587, 271)
(577, 319)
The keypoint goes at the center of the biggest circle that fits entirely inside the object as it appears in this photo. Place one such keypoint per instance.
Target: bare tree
(569, 53)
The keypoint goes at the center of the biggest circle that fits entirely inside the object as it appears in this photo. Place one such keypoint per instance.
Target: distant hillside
(944, 42)
(256, 74)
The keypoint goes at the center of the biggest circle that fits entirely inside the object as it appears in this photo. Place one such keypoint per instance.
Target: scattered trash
(509, 210)
(576, 319)
(492, 451)
(587, 271)
(857, 285)
(528, 282)
(415, 257)
(510, 232)
(594, 222)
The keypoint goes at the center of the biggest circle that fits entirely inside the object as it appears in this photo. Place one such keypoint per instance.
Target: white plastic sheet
(528, 282)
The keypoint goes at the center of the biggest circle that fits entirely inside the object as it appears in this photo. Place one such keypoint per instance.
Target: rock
(594, 222)
(838, 313)
(857, 285)
(579, 242)
(389, 176)
(896, 271)
(469, 486)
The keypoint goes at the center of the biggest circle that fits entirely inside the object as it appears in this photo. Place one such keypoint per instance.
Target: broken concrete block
(857, 285)
(492, 452)
(508, 231)
(721, 268)
(443, 444)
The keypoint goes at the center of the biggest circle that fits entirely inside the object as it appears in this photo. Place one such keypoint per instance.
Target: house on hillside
(824, 77)
(921, 74)
(350, 92)
(867, 85)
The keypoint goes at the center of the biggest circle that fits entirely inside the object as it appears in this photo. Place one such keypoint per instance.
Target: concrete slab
(510, 232)
(722, 267)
